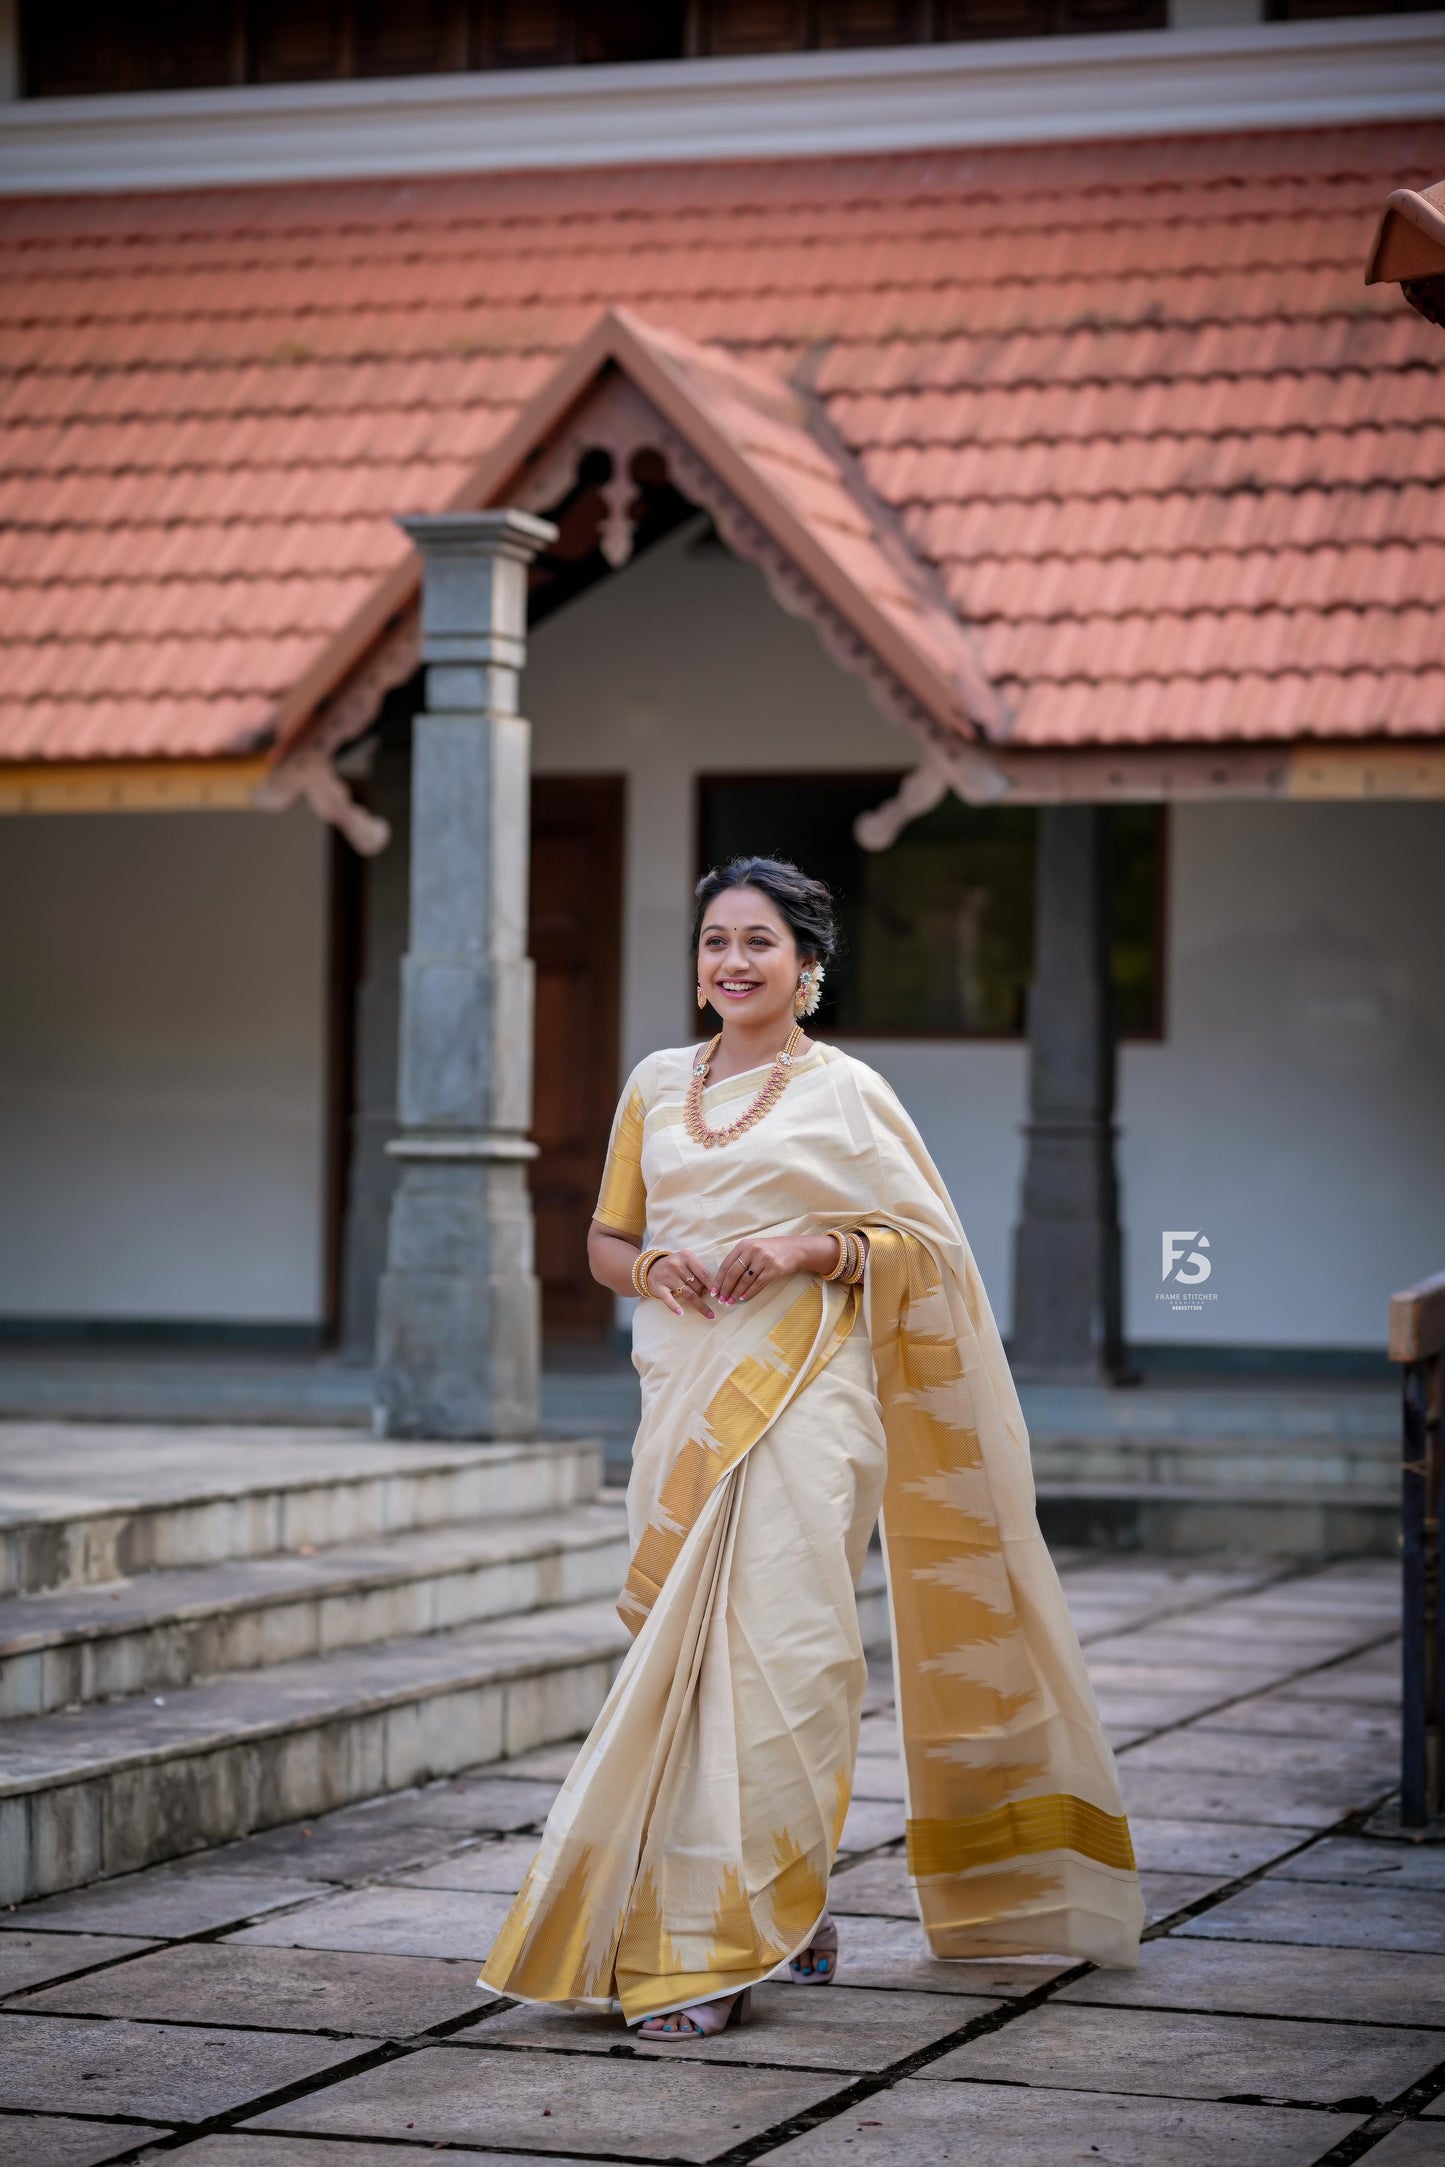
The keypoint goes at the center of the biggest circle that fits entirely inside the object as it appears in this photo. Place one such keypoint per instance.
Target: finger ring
(751, 1272)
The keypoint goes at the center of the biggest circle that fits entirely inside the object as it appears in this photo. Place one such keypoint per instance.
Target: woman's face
(747, 958)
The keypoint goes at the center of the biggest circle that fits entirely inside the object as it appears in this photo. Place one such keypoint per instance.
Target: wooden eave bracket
(308, 776)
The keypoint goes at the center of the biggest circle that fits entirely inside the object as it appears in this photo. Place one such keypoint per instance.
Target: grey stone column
(458, 1330)
(1067, 1308)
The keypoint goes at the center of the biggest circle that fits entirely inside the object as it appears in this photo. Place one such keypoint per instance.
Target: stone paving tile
(32, 1959)
(638, 2108)
(1233, 1661)
(1364, 1689)
(793, 2027)
(1375, 1865)
(872, 1821)
(1299, 1639)
(1282, 1716)
(1256, 1779)
(256, 2149)
(1413, 2144)
(1152, 1711)
(1357, 1770)
(1198, 1683)
(1230, 1848)
(878, 1884)
(1181, 1794)
(1196, 2056)
(162, 1904)
(1383, 1660)
(53, 2140)
(878, 1775)
(333, 1849)
(499, 1867)
(1166, 1894)
(888, 1952)
(1244, 1978)
(996, 2125)
(477, 1805)
(305, 1990)
(1335, 1917)
(391, 1921)
(1436, 2106)
(150, 2070)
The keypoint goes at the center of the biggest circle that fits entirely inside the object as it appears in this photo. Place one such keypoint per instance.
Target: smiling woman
(815, 1345)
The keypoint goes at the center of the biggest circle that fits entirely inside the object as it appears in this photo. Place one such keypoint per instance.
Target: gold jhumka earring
(701, 996)
(810, 990)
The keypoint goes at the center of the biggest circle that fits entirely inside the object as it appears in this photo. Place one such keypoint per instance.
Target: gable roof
(765, 443)
(1127, 410)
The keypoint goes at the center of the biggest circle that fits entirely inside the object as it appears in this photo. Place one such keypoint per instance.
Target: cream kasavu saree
(689, 1850)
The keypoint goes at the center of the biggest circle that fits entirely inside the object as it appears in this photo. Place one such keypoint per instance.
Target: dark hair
(805, 906)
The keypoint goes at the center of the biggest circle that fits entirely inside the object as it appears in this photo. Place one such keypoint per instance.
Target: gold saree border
(622, 1201)
(1024, 1828)
(740, 1412)
(981, 1830)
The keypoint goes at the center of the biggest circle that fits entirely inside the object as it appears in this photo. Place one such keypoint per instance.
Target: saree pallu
(689, 1849)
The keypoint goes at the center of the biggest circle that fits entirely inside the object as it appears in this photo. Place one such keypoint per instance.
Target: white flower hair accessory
(810, 990)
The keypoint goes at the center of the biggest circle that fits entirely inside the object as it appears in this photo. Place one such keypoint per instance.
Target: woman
(814, 1342)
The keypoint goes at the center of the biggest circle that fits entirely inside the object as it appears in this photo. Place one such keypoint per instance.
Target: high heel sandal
(704, 2018)
(823, 1949)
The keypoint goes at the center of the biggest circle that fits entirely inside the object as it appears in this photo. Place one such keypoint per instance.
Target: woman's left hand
(752, 1265)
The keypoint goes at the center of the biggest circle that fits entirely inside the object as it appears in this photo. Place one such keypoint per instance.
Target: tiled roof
(1129, 406)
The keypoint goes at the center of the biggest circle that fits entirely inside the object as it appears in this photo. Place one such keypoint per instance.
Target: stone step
(167, 1629)
(103, 1790)
(98, 1791)
(1175, 1520)
(79, 1507)
(1238, 1465)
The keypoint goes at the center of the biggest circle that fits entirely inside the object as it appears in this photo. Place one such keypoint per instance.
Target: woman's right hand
(680, 1281)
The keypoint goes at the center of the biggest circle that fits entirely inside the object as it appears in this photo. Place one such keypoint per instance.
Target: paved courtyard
(305, 1998)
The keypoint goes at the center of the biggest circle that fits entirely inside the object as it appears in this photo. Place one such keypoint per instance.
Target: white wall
(1296, 1110)
(1293, 1111)
(162, 1066)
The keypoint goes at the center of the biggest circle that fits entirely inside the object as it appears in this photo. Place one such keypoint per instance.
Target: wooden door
(576, 947)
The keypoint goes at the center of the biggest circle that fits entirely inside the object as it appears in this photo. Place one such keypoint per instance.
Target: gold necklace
(768, 1097)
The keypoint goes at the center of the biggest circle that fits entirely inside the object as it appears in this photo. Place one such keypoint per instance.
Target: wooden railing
(1417, 1341)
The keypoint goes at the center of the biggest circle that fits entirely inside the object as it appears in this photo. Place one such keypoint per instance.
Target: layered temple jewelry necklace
(767, 1098)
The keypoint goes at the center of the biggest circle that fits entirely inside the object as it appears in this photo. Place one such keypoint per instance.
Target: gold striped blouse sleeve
(622, 1202)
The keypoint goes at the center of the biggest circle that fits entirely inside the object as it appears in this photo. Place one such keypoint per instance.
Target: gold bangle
(860, 1262)
(842, 1241)
(642, 1267)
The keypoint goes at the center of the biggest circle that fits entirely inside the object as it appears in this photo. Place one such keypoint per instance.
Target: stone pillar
(1067, 1309)
(458, 1327)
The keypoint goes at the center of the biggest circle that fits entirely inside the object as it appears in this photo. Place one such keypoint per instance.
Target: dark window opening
(82, 47)
(937, 932)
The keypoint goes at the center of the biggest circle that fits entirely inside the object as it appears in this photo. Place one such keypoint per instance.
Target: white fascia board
(918, 97)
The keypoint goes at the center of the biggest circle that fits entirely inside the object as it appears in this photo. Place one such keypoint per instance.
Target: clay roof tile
(1122, 416)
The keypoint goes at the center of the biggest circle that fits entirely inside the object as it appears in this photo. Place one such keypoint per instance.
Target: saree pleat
(689, 1850)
